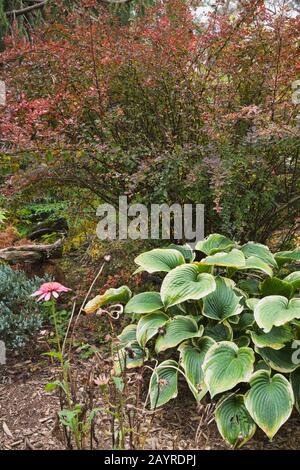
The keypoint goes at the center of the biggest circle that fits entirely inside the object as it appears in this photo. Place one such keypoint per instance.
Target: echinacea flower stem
(57, 335)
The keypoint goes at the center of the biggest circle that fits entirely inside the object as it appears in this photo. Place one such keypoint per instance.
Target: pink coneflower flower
(50, 288)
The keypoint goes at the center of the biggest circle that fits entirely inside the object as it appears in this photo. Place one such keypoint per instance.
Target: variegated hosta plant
(229, 324)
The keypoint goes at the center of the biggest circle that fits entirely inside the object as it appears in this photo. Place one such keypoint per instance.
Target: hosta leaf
(293, 279)
(261, 365)
(186, 283)
(275, 310)
(222, 302)
(275, 286)
(234, 320)
(269, 401)
(283, 257)
(275, 339)
(239, 292)
(191, 359)
(214, 243)
(282, 360)
(233, 420)
(145, 302)
(185, 250)
(159, 259)
(128, 335)
(219, 332)
(251, 286)
(130, 356)
(242, 341)
(226, 365)
(257, 264)
(163, 383)
(176, 330)
(148, 326)
(295, 382)
(252, 302)
(179, 309)
(246, 320)
(120, 295)
(203, 268)
(189, 308)
(233, 259)
(259, 251)
(231, 283)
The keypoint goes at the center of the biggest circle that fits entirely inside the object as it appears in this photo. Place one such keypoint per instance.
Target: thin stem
(84, 301)
(53, 311)
(69, 326)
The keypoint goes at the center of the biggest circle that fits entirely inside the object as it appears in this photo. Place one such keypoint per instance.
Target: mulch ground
(28, 416)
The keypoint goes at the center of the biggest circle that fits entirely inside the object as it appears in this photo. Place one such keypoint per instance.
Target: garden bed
(28, 414)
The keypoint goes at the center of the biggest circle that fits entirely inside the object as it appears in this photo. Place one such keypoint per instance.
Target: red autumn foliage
(88, 89)
(201, 77)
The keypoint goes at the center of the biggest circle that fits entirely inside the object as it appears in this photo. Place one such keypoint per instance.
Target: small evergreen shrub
(20, 315)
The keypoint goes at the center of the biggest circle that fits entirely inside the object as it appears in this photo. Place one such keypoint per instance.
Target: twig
(36, 6)
(68, 329)
(85, 299)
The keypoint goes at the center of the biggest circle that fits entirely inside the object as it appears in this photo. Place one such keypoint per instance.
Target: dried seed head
(161, 331)
(130, 352)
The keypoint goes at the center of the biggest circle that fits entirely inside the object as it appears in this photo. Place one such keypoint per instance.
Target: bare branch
(36, 6)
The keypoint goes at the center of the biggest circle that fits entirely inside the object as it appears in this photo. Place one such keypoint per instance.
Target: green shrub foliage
(229, 324)
(20, 314)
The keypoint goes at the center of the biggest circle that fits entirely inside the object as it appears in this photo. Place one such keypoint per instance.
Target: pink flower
(48, 289)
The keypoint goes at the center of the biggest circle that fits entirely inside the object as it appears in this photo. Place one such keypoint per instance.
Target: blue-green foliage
(20, 314)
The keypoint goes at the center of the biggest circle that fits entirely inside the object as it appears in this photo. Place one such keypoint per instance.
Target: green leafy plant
(228, 324)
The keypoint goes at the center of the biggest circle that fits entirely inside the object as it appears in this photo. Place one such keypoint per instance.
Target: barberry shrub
(229, 324)
(20, 315)
(171, 107)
